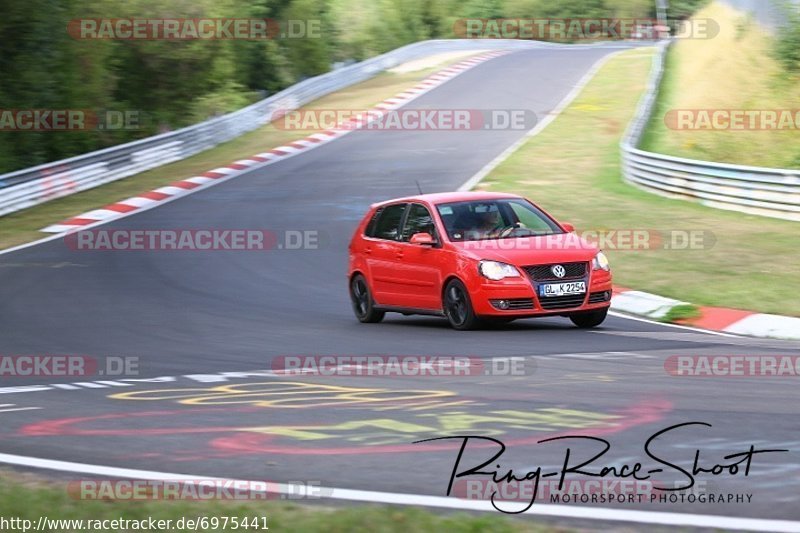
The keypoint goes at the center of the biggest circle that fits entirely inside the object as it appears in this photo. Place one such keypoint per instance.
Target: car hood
(523, 251)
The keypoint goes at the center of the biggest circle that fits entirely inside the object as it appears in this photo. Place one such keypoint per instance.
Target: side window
(386, 224)
(419, 220)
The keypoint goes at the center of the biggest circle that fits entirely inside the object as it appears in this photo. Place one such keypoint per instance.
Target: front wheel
(589, 320)
(363, 305)
(458, 308)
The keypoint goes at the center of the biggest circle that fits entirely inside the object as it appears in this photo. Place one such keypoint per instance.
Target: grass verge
(737, 69)
(30, 500)
(572, 169)
(23, 226)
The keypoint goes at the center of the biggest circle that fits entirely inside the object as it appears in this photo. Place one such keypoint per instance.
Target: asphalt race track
(189, 316)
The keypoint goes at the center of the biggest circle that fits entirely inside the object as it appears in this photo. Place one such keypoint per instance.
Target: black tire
(458, 307)
(588, 320)
(363, 304)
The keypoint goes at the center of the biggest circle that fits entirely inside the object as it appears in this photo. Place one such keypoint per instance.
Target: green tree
(308, 54)
(43, 68)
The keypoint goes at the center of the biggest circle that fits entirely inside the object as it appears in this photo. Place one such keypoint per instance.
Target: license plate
(562, 289)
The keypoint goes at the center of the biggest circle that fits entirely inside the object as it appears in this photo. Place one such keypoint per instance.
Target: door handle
(367, 250)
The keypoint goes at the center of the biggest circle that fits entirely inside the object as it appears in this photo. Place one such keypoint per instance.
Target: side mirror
(422, 239)
(568, 227)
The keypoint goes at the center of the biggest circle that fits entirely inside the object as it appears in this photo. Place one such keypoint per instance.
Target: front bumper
(518, 297)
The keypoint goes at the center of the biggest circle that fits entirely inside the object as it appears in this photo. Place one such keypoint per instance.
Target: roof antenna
(418, 187)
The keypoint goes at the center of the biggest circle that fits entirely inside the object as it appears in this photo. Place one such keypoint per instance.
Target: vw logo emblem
(558, 271)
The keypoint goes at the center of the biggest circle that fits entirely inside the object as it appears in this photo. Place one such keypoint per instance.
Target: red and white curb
(207, 179)
(721, 319)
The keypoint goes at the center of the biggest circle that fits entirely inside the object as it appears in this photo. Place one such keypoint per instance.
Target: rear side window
(370, 230)
(386, 223)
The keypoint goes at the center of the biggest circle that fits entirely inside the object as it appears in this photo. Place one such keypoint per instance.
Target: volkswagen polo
(474, 257)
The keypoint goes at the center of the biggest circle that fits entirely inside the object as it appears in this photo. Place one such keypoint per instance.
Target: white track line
(390, 498)
(18, 409)
(678, 326)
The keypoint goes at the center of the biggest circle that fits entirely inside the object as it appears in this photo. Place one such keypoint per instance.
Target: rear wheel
(363, 305)
(458, 308)
(589, 320)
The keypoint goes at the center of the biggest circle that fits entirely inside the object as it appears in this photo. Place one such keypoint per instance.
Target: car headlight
(600, 262)
(496, 271)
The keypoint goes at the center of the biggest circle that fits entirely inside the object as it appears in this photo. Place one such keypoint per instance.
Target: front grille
(562, 302)
(514, 304)
(543, 272)
(599, 297)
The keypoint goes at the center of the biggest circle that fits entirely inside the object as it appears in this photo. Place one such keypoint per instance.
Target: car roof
(448, 197)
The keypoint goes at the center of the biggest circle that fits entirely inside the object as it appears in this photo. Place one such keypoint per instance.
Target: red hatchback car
(472, 257)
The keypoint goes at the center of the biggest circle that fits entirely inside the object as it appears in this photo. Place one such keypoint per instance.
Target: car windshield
(495, 219)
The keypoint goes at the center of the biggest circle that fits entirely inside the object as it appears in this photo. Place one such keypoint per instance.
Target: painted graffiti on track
(340, 419)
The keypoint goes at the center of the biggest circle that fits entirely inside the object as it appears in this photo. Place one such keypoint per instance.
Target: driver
(489, 223)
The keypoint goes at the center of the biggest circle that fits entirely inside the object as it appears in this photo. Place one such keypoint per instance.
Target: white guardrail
(761, 191)
(36, 185)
